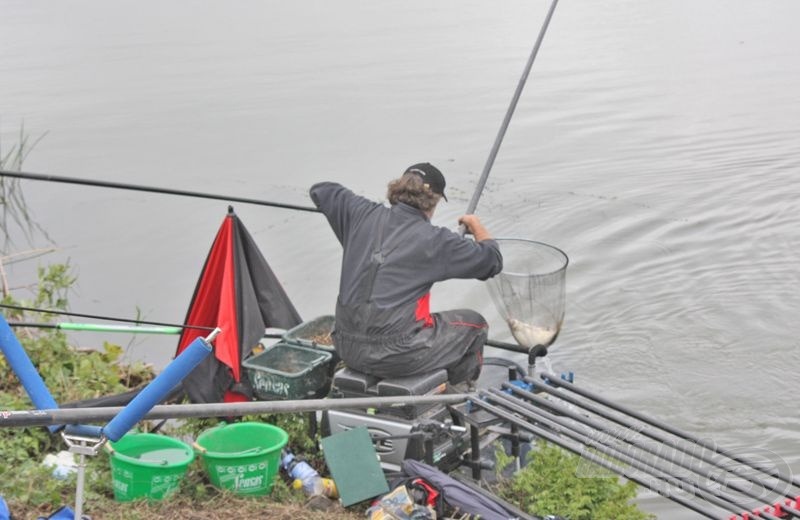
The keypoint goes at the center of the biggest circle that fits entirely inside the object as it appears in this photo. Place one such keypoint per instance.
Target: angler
(392, 257)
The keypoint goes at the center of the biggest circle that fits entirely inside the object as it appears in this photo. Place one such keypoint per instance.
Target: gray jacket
(416, 255)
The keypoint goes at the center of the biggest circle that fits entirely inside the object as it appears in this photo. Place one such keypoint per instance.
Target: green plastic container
(285, 371)
(242, 457)
(313, 334)
(146, 465)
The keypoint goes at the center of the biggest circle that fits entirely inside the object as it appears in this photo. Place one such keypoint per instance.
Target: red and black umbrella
(238, 292)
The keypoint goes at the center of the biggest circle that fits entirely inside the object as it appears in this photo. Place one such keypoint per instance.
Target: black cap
(431, 176)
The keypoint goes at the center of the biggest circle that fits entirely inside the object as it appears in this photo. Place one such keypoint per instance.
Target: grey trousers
(455, 342)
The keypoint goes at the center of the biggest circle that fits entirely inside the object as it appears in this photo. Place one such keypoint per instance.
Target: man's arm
(475, 227)
(479, 258)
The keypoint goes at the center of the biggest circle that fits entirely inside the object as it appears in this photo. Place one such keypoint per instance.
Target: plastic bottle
(63, 464)
(306, 478)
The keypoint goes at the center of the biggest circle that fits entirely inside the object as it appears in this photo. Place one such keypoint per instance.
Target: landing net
(530, 292)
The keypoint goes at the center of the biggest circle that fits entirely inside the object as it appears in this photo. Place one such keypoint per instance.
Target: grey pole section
(150, 189)
(473, 203)
(24, 418)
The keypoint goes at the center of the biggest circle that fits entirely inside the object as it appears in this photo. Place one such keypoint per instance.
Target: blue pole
(22, 366)
(155, 391)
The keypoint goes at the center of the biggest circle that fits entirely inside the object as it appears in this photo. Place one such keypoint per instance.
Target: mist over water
(656, 143)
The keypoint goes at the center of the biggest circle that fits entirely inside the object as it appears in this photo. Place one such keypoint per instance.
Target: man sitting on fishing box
(392, 257)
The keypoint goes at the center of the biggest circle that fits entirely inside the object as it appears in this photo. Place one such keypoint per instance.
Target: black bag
(454, 494)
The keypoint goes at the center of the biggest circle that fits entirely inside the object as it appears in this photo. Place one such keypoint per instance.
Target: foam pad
(81, 430)
(158, 388)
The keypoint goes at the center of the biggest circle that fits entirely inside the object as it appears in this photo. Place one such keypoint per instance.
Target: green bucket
(146, 465)
(242, 457)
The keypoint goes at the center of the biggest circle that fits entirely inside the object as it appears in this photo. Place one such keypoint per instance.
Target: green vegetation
(553, 483)
(13, 209)
(71, 374)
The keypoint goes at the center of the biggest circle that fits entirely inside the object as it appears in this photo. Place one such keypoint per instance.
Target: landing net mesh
(530, 292)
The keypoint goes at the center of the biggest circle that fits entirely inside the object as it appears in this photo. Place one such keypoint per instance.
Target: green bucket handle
(249, 451)
(112, 452)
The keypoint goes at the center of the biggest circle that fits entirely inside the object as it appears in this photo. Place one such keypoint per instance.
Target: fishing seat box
(351, 383)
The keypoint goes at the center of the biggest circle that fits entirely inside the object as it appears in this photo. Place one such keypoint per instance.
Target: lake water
(657, 143)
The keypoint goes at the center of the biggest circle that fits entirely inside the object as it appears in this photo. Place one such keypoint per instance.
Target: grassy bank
(549, 484)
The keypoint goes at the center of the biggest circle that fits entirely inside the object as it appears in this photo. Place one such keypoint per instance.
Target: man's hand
(474, 227)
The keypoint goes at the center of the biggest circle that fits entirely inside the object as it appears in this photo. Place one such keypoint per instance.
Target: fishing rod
(125, 329)
(555, 381)
(168, 191)
(712, 457)
(531, 409)
(149, 189)
(652, 467)
(596, 432)
(473, 203)
(98, 317)
(588, 455)
(66, 326)
(95, 327)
